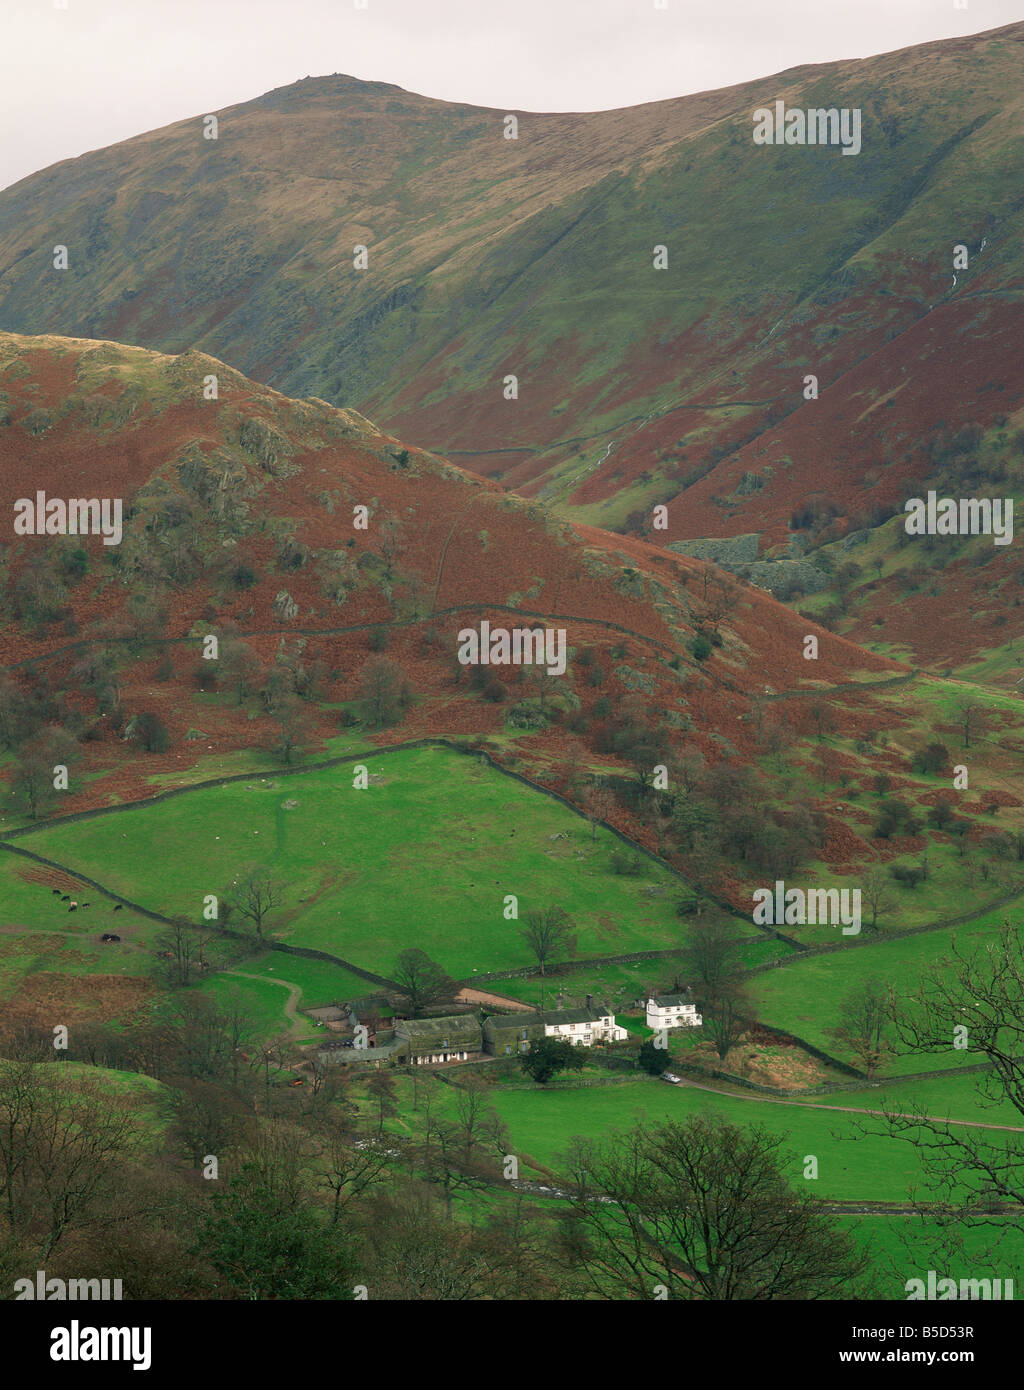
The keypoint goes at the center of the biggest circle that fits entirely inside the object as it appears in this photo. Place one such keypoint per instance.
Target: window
(523, 1047)
(508, 1052)
(524, 1034)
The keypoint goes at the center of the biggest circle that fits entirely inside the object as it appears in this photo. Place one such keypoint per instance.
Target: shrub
(931, 758)
(152, 733)
(625, 863)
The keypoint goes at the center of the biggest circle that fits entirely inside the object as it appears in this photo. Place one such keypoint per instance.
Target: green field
(425, 855)
(792, 996)
(851, 1165)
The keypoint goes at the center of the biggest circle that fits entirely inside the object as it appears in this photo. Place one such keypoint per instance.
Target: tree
(548, 931)
(650, 1058)
(384, 691)
(33, 780)
(726, 1017)
(295, 726)
(152, 733)
(239, 665)
(877, 894)
(422, 980)
(970, 715)
(66, 1144)
(381, 1089)
(548, 1056)
(543, 680)
(599, 804)
(969, 1006)
(462, 1153)
(711, 962)
(266, 1239)
(414, 1253)
(931, 758)
(254, 894)
(705, 1209)
(350, 1169)
(182, 948)
(823, 718)
(864, 1025)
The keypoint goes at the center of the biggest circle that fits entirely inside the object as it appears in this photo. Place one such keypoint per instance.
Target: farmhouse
(423, 1041)
(672, 1011)
(504, 1036)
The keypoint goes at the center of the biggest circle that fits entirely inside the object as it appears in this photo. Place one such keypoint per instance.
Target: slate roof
(454, 1028)
(552, 1016)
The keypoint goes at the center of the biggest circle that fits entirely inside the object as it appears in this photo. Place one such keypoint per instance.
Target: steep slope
(241, 523)
(534, 257)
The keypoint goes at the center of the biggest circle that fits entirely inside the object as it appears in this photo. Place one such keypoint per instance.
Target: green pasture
(423, 856)
(853, 1163)
(804, 997)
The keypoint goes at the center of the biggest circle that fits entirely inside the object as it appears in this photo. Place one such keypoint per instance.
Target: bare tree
(970, 716)
(876, 887)
(384, 691)
(706, 1210)
(183, 952)
(547, 931)
(254, 894)
(422, 980)
(864, 1026)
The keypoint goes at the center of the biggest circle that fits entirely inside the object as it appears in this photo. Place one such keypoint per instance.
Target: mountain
(238, 522)
(534, 257)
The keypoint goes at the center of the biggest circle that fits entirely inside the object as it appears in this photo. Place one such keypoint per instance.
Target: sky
(98, 71)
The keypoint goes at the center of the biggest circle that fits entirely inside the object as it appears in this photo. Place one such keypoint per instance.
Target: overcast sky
(99, 71)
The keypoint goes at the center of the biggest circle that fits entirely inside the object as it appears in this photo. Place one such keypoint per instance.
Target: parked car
(671, 1077)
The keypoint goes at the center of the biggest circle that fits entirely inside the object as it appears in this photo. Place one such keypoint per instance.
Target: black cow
(118, 906)
(109, 936)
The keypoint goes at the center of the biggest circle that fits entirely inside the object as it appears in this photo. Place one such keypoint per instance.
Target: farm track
(846, 1109)
(299, 1027)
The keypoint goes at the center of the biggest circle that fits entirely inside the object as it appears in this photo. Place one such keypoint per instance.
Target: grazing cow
(117, 907)
(55, 890)
(65, 897)
(73, 907)
(85, 904)
(109, 936)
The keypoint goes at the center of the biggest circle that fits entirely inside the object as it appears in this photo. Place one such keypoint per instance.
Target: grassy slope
(438, 843)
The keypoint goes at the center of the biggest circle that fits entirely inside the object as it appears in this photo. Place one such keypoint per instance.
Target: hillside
(239, 523)
(534, 257)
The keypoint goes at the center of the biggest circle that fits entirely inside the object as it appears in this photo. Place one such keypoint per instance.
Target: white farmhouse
(672, 1011)
(582, 1026)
